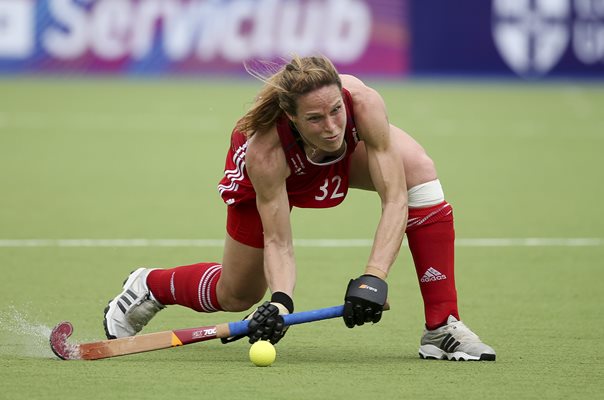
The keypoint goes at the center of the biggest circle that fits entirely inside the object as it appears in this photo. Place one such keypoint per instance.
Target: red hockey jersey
(310, 185)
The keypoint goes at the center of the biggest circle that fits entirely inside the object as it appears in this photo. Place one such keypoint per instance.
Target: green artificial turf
(117, 159)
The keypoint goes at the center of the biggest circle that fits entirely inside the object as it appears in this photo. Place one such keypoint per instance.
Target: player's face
(321, 118)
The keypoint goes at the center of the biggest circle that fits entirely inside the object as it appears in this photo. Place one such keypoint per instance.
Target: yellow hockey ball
(262, 353)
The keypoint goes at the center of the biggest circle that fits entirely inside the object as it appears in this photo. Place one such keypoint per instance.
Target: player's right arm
(268, 170)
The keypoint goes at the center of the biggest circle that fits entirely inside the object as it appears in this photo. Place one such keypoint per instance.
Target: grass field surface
(122, 160)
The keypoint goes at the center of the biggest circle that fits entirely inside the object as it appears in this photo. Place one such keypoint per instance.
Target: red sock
(431, 239)
(192, 286)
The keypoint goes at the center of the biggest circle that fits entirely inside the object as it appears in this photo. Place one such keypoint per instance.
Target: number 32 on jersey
(330, 189)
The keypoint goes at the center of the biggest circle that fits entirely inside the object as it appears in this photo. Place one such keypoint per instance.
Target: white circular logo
(531, 35)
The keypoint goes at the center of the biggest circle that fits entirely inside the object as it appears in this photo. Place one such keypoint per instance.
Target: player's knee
(235, 303)
(422, 170)
(426, 165)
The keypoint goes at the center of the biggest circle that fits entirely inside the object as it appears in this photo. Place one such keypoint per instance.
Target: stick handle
(313, 315)
(228, 329)
(240, 327)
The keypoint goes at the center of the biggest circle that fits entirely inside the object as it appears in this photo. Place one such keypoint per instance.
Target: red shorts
(244, 224)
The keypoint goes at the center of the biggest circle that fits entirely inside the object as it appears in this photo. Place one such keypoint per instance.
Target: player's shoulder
(363, 96)
(260, 144)
(353, 84)
(264, 153)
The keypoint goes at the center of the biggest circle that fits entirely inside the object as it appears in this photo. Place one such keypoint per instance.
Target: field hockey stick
(166, 339)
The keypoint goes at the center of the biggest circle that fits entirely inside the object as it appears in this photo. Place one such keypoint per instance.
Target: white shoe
(131, 310)
(454, 341)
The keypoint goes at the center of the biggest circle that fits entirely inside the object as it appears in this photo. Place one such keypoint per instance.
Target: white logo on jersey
(298, 165)
(236, 174)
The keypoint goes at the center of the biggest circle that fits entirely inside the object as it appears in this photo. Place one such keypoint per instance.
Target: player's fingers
(269, 329)
(359, 315)
(377, 316)
(253, 338)
(277, 335)
(368, 314)
(348, 314)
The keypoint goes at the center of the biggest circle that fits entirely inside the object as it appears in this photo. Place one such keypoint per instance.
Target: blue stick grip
(240, 327)
(313, 315)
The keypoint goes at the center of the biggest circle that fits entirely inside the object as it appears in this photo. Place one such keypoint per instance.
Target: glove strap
(368, 287)
(282, 298)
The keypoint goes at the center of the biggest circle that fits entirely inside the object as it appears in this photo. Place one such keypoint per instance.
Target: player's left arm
(387, 174)
(366, 296)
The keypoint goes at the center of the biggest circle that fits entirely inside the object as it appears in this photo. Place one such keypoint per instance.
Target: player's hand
(364, 300)
(267, 321)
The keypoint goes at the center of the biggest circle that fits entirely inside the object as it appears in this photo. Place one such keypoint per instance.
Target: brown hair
(283, 88)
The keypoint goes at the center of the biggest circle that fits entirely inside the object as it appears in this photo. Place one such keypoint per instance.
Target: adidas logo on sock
(432, 275)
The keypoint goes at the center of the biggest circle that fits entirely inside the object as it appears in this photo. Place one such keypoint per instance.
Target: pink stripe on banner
(388, 50)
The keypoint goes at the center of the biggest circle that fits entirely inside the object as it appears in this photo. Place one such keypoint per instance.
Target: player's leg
(235, 285)
(430, 231)
(242, 283)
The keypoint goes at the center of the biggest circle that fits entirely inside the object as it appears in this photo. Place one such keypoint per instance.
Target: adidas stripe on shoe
(456, 342)
(132, 309)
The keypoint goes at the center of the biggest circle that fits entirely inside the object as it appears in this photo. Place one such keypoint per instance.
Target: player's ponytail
(282, 88)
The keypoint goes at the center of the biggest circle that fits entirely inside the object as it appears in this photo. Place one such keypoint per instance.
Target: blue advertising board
(528, 38)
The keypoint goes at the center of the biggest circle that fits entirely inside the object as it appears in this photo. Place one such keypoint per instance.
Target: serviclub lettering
(207, 29)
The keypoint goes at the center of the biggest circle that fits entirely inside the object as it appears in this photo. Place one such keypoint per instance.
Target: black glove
(267, 321)
(364, 300)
